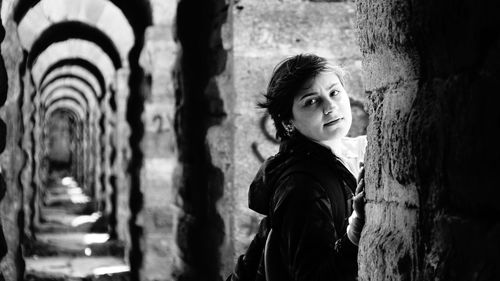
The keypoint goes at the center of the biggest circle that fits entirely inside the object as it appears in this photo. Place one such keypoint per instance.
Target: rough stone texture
(106, 126)
(431, 74)
(121, 135)
(264, 33)
(27, 172)
(159, 146)
(11, 159)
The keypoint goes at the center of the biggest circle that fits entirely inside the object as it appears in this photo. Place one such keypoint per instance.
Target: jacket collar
(298, 143)
(299, 146)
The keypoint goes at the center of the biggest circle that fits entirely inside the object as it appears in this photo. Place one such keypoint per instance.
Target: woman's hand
(358, 202)
(357, 218)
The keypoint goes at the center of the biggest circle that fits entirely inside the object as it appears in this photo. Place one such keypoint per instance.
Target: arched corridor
(78, 81)
(129, 132)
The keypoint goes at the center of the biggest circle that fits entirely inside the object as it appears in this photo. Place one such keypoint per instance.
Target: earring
(289, 129)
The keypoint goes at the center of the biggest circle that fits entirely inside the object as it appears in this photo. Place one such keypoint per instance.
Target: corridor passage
(72, 239)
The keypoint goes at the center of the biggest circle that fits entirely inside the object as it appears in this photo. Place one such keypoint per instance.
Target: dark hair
(288, 77)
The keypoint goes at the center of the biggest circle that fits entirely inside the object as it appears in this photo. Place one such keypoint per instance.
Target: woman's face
(321, 109)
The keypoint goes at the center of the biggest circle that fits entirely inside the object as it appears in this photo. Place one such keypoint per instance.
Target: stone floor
(72, 242)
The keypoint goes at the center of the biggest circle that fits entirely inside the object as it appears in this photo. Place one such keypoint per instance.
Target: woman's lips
(333, 121)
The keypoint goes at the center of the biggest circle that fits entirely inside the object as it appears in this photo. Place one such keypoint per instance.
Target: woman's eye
(310, 102)
(334, 93)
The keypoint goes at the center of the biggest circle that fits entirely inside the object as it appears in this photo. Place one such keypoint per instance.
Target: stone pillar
(106, 127)
(159, 147)
(121, 135)
(113, 155)
(11, 157)
(103, 155)
(37, 165)
(96, 153)
(87, 157)
(201, 62)
(27, 173)
(432, 76)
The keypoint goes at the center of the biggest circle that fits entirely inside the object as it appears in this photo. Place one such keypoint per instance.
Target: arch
(101, 14)
(78, 62)
(67, 111)
(68, 98)
(74, 71)
(66, 103)
(138, 13)
(74, 30)
(61, 94)
(66, 77)
(67, 87)
(66, 50)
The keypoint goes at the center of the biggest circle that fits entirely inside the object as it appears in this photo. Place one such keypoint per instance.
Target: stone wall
(432, 76)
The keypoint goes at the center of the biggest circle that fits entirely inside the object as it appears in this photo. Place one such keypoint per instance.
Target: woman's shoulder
(298, 188)
(308, 180)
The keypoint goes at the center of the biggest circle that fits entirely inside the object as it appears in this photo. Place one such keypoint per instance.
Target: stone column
(27, 173)
(159, 147)
(432, 76)
(11, 156)
(200, 108)
(121, 135)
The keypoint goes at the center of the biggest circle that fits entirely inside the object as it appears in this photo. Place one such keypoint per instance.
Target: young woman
(307, 190)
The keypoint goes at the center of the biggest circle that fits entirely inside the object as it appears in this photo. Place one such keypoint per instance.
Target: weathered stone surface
(159, 214)
(160, 256)
(428, 135)
(11, 156)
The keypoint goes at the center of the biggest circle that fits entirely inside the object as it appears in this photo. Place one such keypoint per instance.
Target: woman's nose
(328, 106)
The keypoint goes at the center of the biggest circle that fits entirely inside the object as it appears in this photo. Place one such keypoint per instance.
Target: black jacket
(305, 193)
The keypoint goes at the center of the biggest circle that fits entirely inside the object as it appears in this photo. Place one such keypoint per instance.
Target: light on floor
(74, 190)
(111, 269)
(67, 180)
(79, 198)
(94, 238)
(85, 219)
